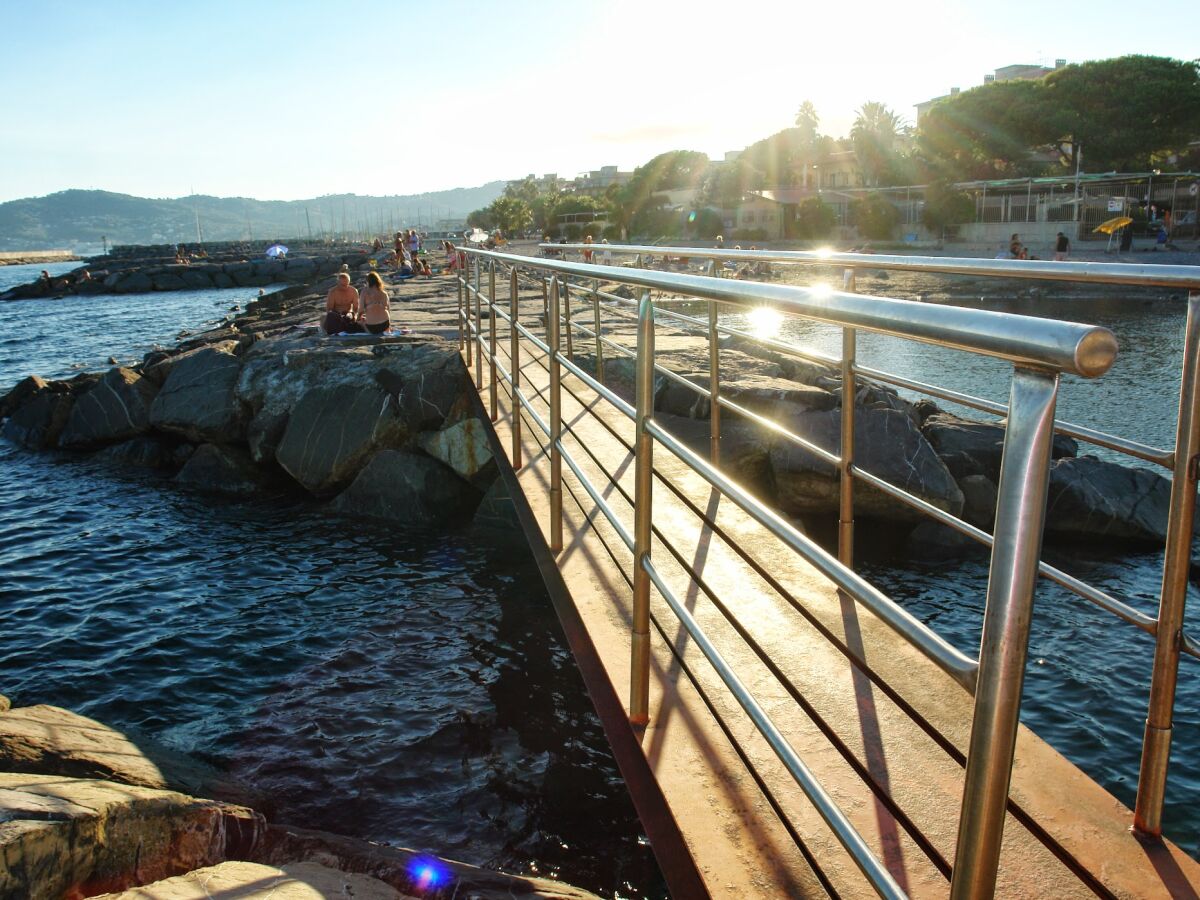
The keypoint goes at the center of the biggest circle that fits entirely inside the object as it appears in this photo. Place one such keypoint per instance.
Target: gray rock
(932, 541)
(959, 441)
(409, 489)
(745, 449)
(225, 470)
(331, 433)
(887, 444)
(979, 501)
(37, 424)
(497, 515)
(264, 434)
(115, 409)
(138, 282)
(1090, 498)
(197, 398)
(197, 278)
(147, 451)
(168, 281)
(221, 280)
(463, 447)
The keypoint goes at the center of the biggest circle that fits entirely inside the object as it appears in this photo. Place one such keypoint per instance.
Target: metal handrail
(1037, 348)
(1131, 274)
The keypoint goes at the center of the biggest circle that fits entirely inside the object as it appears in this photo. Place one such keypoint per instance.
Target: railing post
(546, 300)
(465, 278)
(846, 452)
(478, 328)
(566, 308)
(552, 340)
(1156, 743)
(599, 342)
(714, 375)
(643, 495)
(458, 279)
(1020, 516)
(492, 391)
(514, 359)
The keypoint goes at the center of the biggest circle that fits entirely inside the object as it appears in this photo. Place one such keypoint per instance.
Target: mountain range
(82, 220)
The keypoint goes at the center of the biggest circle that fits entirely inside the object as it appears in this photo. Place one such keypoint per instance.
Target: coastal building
(599, 180)
(548, 183)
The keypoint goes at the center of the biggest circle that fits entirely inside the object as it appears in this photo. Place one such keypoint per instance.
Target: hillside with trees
(78, 218)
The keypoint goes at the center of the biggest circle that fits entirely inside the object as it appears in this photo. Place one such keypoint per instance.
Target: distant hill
(81, 219)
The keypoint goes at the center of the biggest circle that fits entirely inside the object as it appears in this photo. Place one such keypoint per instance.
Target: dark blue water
(405, 688)
(1088, 680)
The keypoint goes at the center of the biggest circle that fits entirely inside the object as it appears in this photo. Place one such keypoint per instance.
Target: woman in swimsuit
(341, 307)
(375, 310)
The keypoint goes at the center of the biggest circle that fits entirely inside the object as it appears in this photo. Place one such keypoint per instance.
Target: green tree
(705, 223)
(510, 214)
(814, 219)
(875, 136)
(482, 218)
(1121, 112)
(946, 206)
(875, 217)
(726, 183)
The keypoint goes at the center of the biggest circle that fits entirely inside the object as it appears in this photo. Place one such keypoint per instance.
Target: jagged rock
(115, 409)
(254, 881)
(48, 740)
(887, 444)
(408, 488)
(37, 424)
(224, 469)
(221, 280)
(331, 433)
(497, 514)
(136, 282)
(932, 541)
(197, 398)
(147, 451)
(745, 449)
(23, 391)
(975, 448)
(463, 447)
(196, 279)
(66, 837)
(264, 434)
(1090, 498)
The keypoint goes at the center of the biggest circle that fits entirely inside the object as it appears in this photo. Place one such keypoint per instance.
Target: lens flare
(764, 321)
(821, 289)
(427, 873)
(823, 252)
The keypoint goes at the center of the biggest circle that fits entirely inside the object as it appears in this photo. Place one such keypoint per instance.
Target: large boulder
(115, 409)
(331, 433)
(147, 451)
(225, 470)
(1093, 499)
(975, 448)
(463, 447)
(254, 881)
(197, 398)
(22, 392)
(48, 740)
(37, 424)
(409, 489)
(196, 279)
(745, 448)
(887, 444)
(69, 837)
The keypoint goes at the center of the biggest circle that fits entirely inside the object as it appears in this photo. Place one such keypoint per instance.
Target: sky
(298, 99)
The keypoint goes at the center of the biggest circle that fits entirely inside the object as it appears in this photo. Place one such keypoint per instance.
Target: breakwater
(31, 257)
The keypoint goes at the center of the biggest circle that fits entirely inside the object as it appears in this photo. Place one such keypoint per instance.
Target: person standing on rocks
(376, 309)
(341, 307)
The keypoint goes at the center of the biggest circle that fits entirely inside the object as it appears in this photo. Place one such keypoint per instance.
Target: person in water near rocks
(341, 307)
(374, 301)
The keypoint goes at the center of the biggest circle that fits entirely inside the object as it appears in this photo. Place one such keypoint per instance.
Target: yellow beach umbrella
(1112, 225)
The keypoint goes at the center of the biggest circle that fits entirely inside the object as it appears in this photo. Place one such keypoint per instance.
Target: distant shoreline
(32, 257)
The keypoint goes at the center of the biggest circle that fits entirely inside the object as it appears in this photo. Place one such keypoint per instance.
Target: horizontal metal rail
(1169, 276)
(1061, 346)
(945, 655)
(881, 880)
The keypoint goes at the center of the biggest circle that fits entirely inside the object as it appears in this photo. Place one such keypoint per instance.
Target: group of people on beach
(1017, 250)
(347, 311)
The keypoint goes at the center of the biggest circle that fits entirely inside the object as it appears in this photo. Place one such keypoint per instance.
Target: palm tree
(807, 140)
(874, 136)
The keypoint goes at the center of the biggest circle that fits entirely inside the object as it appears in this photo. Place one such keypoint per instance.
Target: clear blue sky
(297, 99)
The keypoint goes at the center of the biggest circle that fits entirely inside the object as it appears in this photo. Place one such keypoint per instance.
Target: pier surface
(30, 257)
(886, 738)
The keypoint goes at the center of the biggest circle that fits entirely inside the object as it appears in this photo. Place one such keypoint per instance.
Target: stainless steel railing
(1039, 350)
(1167, 627)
